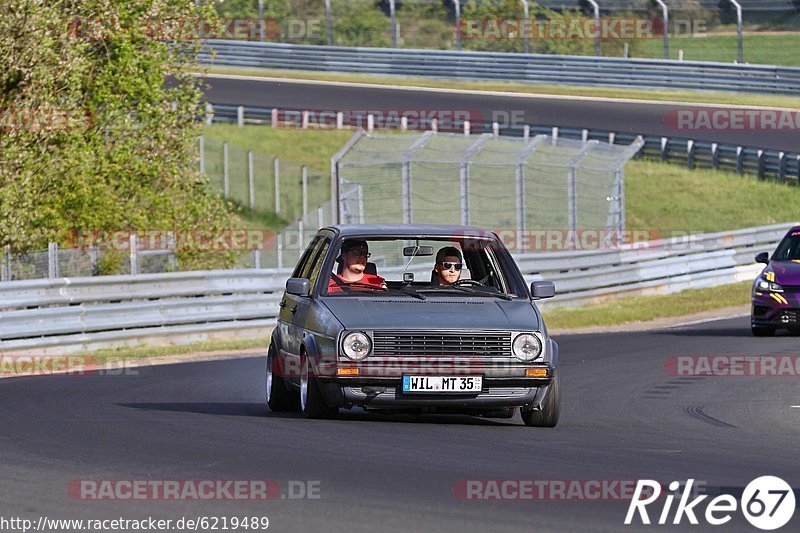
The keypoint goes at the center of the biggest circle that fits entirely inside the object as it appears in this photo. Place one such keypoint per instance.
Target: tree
(99, 124)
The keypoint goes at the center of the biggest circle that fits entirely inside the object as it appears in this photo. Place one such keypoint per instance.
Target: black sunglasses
(360, 253)
(448, 266)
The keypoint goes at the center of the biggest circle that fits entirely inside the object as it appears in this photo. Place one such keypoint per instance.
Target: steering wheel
(468, 283)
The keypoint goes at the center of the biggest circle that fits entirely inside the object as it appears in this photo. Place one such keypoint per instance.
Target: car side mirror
(543, 289)
(298, 286)
(763, 257)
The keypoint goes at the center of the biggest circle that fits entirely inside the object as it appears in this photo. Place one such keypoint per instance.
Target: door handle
(293, 309)
(282, 304)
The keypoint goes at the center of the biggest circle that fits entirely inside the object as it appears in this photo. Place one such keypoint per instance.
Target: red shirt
(337, 282)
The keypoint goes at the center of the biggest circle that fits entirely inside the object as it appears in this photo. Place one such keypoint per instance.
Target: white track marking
(703, 321)
(486, 93)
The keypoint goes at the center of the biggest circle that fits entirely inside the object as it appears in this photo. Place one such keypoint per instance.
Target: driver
(354, 262)
(448, 266)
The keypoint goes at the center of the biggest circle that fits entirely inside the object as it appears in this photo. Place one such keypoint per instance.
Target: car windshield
(420, 268)
(789, 248)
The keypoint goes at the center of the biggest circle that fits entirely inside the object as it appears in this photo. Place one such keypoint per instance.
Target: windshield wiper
(411, 292)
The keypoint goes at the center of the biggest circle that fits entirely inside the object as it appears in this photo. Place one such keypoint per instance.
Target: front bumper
(780, 310)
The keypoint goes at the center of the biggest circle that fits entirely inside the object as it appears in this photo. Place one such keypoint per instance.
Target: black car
(402, 338)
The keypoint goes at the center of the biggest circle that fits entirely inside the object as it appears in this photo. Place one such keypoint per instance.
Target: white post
(339, 120)
(209, 114)
(527, 37)
(393, 22)
(276, 172)
(466, 128)
(240, 116)
(554, 135)
(370, 122)
(305, 120)
(584, 135)
(404, 123)
(495, 129)
(280, 251)
(304, 172)
(251, 180)
(274, 117)
(329, 22)
(596, 26)
(457, 4)
(526, 132)
(320, 217)
(225, 171)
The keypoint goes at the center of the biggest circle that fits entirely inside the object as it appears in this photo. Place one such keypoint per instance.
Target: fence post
(406, 192)
(714, 156)
(251, 182)
(457, 4)
(202, 154)
(273, 117)
(94, 258)
(393, 22)
(782, 167)
(320, 217)
(276, 172)
(466, 128)
(226, 184)
(526, 132)
(172, 259)
(554, 135)
(339, 120)
(495, 129)
(739, 159)
(134, 254)
(209, 114)
(370, 122)
(664, 148)
(612, 137)
(761, 165)
(52, 260)
(690, 154)
(525, 25)
(257, 258)
(329, 22)
(280, 250)
(665, 15)
(403, 123)
(738, 30)
(6, 272)
(584, 135)
(520, 206)
(240, 116)
(596, 26)
(301, 235)
(304, 181)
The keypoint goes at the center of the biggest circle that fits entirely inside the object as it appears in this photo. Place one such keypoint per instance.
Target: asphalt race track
(624, 418)
(637, 117)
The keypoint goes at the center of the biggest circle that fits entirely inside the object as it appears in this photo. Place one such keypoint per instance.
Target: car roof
(408, 230)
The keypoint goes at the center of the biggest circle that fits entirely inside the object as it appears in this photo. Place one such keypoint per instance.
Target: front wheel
(312, 404)
(547, 416)
(279, 397)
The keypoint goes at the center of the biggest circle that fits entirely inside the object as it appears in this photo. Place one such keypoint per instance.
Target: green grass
(528, 88)
(645, 308)
(141, 352)
(666, 196)
(759, 49)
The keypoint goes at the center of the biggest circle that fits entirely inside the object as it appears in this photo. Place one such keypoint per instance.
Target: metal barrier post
(596, 8)
(739, 159)
(457, 4)
(393, 22)
(690, 154)
(240, 115)
(527, 40)
(714, 156)
(6, 272)
(781, 167)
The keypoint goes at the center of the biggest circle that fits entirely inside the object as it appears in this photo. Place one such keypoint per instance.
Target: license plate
(442, 383)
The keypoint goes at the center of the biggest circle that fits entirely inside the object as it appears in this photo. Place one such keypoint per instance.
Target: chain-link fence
(753, 31)
(502, 183)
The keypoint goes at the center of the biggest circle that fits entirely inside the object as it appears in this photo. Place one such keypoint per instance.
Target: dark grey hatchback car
(404, 336)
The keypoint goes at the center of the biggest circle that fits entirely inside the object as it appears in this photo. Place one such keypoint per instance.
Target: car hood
(786, 272)
(434, 313)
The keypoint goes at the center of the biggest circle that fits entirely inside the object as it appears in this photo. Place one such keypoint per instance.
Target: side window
(316, 263)
(302, 265)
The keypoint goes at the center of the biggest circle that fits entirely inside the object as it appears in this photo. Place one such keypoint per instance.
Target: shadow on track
(358, 415)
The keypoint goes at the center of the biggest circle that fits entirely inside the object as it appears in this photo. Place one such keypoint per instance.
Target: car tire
(312, 404)
(279, 398)
(548, 415)
(759, 331)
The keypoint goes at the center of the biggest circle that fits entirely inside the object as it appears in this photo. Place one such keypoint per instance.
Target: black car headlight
(767, 286)
(527, 346)
(356, 345)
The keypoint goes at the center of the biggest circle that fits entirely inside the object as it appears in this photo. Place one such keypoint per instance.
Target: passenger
(354, 255)
(448, 266)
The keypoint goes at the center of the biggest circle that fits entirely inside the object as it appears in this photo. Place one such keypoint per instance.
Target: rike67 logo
(767, 502)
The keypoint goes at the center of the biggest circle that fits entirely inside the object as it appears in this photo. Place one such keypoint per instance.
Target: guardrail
(69, 314)
(528, 68)
(764, 163)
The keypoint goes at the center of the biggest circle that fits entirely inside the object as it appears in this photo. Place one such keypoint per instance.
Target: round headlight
(356, 345)
(527, 347)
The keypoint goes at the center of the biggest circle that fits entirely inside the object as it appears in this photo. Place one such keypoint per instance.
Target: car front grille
(432, 343)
